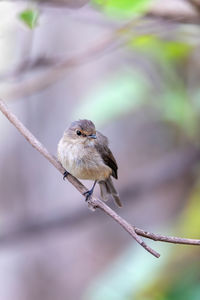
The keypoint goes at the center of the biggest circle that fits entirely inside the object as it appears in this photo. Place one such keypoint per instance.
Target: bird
(84, 152)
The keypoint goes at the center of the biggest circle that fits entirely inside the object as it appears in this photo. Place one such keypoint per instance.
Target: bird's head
(81, 131)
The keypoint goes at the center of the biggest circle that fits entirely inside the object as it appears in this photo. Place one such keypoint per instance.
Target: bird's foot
(88, 194)
(65, 175)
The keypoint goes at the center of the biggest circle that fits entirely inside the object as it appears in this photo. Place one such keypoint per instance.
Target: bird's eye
(78, 132)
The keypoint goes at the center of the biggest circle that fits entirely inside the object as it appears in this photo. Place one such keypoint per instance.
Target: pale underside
(83, 162)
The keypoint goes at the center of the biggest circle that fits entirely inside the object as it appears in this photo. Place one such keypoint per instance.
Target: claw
(65, 175)
(88, 194)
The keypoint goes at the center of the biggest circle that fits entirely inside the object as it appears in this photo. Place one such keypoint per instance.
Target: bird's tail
(107, 188)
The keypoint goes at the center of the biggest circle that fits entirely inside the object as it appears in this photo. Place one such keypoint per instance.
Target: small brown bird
(84, 153)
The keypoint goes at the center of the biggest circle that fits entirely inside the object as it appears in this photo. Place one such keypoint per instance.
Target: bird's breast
(83, 162)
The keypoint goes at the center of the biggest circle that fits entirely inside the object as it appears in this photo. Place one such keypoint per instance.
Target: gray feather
(107, 188)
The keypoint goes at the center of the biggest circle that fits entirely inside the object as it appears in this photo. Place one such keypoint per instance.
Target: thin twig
(51, 76)
(93, 202)
(180, 12)
(167, 239)
(59, 66)
(18, 232)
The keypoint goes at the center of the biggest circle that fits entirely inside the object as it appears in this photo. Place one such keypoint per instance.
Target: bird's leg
(65, 175)
(89, 193)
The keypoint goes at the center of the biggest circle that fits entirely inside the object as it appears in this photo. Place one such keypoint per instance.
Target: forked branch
(93, 202)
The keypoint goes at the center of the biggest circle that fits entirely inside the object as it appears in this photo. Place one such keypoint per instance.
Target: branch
(28, 65)
(18, 232)
(60, 65)
(93, 202)
(167, 239)
(175, 11)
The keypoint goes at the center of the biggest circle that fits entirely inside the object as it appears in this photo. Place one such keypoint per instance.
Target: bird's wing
(102, 147)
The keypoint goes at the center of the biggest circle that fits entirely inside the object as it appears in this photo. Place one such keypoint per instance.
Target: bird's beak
(92, 136)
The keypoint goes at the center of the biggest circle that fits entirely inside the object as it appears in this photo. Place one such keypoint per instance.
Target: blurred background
(133, 68)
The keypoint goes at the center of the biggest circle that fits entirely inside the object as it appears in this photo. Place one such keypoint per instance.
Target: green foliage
(179, 278)
(115, 97)
(127, 275)
(186, 287)
(175, 276)
(177, 108)
(29, 17)
(122, 7)
(173, 102)
(161, 48)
